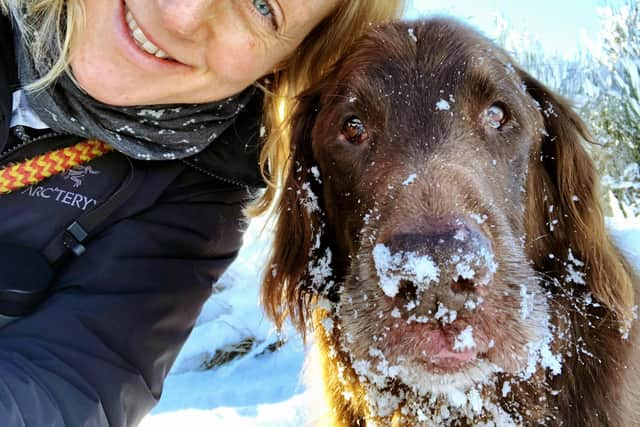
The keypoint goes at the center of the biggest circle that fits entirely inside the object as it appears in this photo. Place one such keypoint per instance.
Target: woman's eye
(263, 8)
(354, 131)
(496, 116)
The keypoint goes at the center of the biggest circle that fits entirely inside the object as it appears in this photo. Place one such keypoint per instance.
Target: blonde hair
(315, 55)
(47, 27)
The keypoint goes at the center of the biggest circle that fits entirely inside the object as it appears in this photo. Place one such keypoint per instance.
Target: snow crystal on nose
(444, 315)
(465, 263)
(392, 269)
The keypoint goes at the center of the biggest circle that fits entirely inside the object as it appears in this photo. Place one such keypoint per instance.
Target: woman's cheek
(244, 62)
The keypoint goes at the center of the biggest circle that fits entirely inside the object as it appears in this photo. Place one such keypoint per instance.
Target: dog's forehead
(434, 54)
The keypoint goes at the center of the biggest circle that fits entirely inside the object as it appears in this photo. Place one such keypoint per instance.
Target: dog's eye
(496, 116)
(354, 131)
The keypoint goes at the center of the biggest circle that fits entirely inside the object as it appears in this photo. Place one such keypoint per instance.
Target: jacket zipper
(24, 144)
(213, 175)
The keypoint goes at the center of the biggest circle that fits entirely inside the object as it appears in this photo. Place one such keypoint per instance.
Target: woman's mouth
(141, 39)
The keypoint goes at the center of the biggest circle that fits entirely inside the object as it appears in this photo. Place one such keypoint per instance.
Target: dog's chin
(423, 393)
(467, 386)
(425, 381)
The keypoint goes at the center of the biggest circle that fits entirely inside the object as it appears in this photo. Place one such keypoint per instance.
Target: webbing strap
(32, 171)
(74, 236)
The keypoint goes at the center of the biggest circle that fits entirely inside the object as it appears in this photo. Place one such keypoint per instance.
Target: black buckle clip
(73, 238)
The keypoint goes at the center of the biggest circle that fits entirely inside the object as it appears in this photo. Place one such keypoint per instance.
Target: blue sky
(559, 25)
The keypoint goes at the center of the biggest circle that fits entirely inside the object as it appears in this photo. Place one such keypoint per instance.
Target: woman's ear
(564, 214)
(286, 288)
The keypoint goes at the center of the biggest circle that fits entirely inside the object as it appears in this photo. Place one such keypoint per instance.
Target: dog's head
(440, 197)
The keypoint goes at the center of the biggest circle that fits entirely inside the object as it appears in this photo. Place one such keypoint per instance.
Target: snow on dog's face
(424, 177)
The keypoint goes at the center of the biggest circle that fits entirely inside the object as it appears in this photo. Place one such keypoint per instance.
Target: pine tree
(614, 109)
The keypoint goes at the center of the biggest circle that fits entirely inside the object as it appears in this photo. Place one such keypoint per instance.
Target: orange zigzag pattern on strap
(32, 171)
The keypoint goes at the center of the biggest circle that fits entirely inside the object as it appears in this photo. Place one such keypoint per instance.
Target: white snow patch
(443, 105)
(410, 179)
(457, 398)
(391, 269)
(574, 275)
(480, 219)
(526, 304)
(445, 315)
(309, 199)
(506, 388)
(464, 340)
(316, 173)
(412, 35)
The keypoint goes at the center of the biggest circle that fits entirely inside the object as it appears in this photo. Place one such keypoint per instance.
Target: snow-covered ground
(262, 388)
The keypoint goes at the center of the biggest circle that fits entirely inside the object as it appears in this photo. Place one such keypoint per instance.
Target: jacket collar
(233, 157)
(8, 77)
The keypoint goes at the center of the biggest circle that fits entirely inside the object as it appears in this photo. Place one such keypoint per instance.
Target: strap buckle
(73, 238)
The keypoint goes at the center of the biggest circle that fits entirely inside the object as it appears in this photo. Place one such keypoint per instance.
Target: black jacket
(97, 350)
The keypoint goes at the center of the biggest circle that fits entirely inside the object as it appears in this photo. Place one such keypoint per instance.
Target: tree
(614, 109)
(605, 88)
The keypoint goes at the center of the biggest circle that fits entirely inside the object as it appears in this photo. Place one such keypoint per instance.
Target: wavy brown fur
(559, 214)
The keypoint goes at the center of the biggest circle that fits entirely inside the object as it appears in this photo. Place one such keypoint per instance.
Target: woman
(128, 244)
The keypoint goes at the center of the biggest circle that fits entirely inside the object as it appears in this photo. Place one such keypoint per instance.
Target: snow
(316, 173)
(392, 269)
(259, 389)
(310, 200)
(480, 219)
(526, 306)
(506, 389)
(457, 398)
(265, 389)
(464, 340)
(412, 35)
(574, 274)
(410, 179)
(444, 315)
(443, 105)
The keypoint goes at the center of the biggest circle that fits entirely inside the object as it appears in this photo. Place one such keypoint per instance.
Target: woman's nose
(187, 18)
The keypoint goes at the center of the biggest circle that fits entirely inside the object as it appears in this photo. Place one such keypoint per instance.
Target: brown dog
(441, 222)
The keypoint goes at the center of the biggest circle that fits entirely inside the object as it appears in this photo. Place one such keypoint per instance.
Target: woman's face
(144, 52)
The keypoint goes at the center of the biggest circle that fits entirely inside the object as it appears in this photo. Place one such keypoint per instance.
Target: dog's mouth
(438, 348)
(425, 334)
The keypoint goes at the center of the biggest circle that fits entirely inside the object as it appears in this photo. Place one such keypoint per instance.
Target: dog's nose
(458, 257)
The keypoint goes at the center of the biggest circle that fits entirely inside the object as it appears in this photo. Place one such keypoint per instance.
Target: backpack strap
(79, 230)
(32, 171)
(94, 220)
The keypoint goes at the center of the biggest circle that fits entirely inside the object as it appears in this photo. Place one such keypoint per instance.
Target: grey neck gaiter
(164, 132)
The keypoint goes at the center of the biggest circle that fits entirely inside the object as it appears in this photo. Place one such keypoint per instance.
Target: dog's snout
(460, 255)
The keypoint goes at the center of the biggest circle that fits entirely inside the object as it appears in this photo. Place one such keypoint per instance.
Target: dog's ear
(565, 221)
(286, 287)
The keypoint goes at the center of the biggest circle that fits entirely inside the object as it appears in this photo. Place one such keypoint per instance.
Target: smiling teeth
(141, 39)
